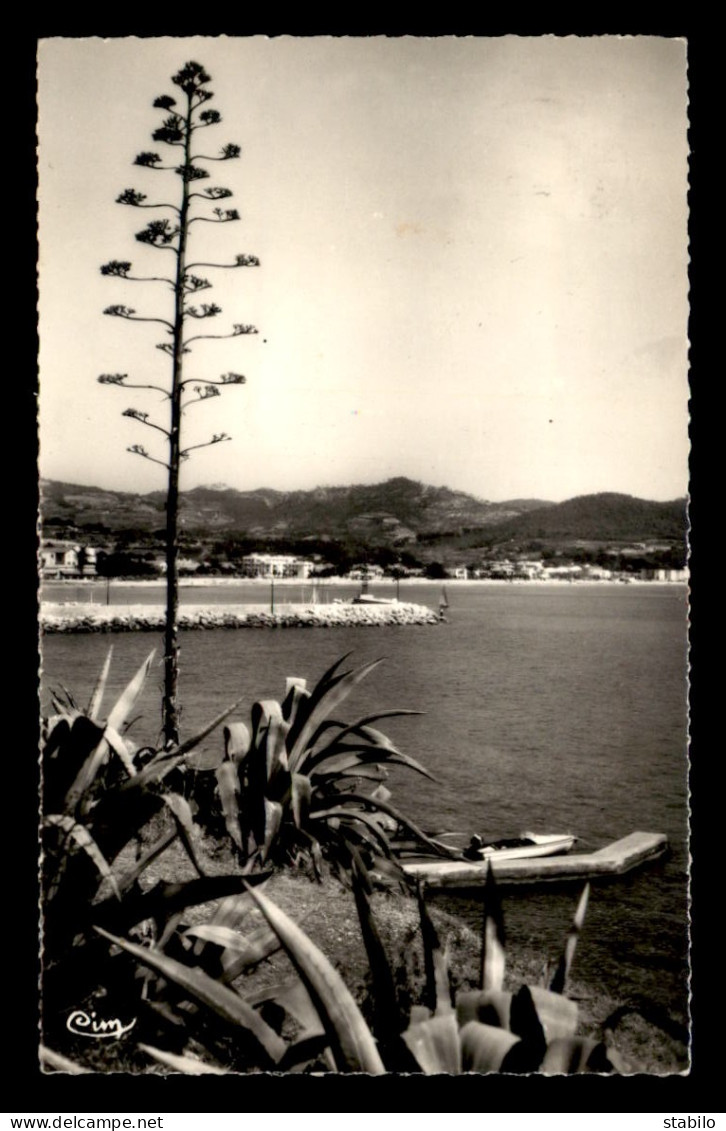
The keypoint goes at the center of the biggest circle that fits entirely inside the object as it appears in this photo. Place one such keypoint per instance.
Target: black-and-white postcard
(363, 554)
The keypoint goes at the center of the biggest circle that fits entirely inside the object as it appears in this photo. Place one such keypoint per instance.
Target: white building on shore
(60, 558)
(275, 565)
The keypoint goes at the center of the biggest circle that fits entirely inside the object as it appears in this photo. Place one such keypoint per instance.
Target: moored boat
(369, 599)
(613, 860)
(524, 847)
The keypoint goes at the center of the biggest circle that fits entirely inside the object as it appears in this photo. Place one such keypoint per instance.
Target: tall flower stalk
(179, 131)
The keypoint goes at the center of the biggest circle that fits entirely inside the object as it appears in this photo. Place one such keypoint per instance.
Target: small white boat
(369, 599)
(527, 846)
(524, 847)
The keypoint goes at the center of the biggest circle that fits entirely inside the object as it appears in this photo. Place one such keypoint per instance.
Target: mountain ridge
(396, 512)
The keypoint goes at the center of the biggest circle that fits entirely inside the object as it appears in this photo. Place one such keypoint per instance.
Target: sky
(473, 263)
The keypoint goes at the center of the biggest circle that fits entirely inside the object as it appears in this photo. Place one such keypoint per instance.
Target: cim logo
(90, 1025)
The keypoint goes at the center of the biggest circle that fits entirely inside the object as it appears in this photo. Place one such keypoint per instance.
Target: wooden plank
(613, 860)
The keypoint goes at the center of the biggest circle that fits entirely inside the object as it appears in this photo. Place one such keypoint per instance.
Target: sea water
(551, 708)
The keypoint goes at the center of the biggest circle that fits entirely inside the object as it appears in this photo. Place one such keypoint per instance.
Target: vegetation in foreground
(180, 961)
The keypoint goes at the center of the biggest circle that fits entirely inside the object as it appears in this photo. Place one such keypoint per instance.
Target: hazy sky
(474, 262)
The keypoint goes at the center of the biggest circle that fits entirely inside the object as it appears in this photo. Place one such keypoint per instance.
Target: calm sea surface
(557, 708)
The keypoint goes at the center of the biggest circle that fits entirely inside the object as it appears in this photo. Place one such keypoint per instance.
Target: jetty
(613, 860)
(87, 617)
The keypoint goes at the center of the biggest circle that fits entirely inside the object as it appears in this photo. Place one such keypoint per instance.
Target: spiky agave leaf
(559, 980)
(124, 705)
(341, 756)
(349, 816)
(436, 966)
(568, 1055)
(294, 999)
(82, 837)
(524, 1022)
(237, 741)
(322, 741)
(117, 717)
(225, 937)
(493, 954)
(352, 1042)
(234, 951)
(387, 1020)
(484, 1047)
(129, 878)
(490, 1007)
(94, 705)
(182, 814)
(262, 943)
(324, 700)
(380, 805)
(373, 771)
(557, 1014)
(276, 762)
(435, 1044)
(263, 713)
(228, 789)
(51, 1059)
(300, 797)
(208, 992)
(304, 703)
(166, 899)
(296, 695)
(120, 749)
(187, 1065)
(67, 749)
(231, 911)
(273, 820)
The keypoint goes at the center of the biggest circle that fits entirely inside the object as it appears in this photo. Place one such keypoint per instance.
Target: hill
(398, 514)
(395, 512)
(602, 517)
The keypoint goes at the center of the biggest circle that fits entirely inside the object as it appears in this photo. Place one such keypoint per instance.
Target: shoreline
(344, 582)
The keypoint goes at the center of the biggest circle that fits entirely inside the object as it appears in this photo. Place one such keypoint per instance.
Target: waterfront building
(60, 559)
(275, 565)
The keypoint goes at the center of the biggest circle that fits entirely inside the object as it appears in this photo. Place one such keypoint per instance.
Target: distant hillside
(390, 513)
(603, 517)
(399, 513)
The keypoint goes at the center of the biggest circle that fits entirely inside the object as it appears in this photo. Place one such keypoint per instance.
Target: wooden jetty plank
(613, 860)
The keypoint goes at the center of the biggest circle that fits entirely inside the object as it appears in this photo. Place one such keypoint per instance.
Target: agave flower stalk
(178, 133)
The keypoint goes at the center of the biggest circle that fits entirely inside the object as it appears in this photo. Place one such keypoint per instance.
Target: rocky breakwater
(147, 618)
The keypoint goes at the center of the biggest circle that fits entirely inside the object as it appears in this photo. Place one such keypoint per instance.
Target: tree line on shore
(134, 554)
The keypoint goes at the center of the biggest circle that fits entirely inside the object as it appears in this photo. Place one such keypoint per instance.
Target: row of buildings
(62, 559)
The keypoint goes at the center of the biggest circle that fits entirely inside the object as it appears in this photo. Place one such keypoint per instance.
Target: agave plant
(200, 1016)
(491, 1029)
(485, 1030)
(108, 813)
(299, 781)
